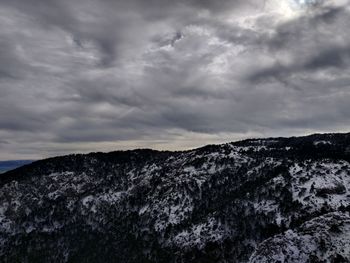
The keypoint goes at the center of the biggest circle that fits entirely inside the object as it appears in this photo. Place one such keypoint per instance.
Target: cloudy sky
(101, 75)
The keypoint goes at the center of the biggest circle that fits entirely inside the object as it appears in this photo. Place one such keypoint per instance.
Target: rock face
(265, 200)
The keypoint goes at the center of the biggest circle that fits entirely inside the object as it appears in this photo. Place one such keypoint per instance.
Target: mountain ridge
(234, 202)
(314, 135)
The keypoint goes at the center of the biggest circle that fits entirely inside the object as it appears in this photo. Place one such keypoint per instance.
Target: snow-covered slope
(266, 200)
(323, 239)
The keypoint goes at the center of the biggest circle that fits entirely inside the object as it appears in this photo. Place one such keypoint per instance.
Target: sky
(103, 75)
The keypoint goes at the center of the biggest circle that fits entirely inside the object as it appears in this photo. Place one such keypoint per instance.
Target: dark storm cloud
(337, 57)
(3, 142)
(83, 75)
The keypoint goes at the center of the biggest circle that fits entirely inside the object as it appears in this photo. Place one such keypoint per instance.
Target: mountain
(10, 165)
(258, 200)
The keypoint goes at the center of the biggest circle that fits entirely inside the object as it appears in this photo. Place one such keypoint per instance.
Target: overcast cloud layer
(100, 75)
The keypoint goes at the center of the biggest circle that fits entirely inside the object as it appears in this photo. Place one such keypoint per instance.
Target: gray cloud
(334, 57)
(101, 75)
(312, 43)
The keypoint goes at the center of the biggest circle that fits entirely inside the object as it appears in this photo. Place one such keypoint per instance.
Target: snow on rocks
(323, 239)
(316, 183)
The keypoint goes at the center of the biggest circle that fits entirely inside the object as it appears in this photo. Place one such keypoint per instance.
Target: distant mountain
(10, 165)
(259, 200)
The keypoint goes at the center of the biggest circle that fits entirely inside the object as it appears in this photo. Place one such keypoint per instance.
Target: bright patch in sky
(285, 9)
(301, 4)
(305, 2)
(290, 8)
